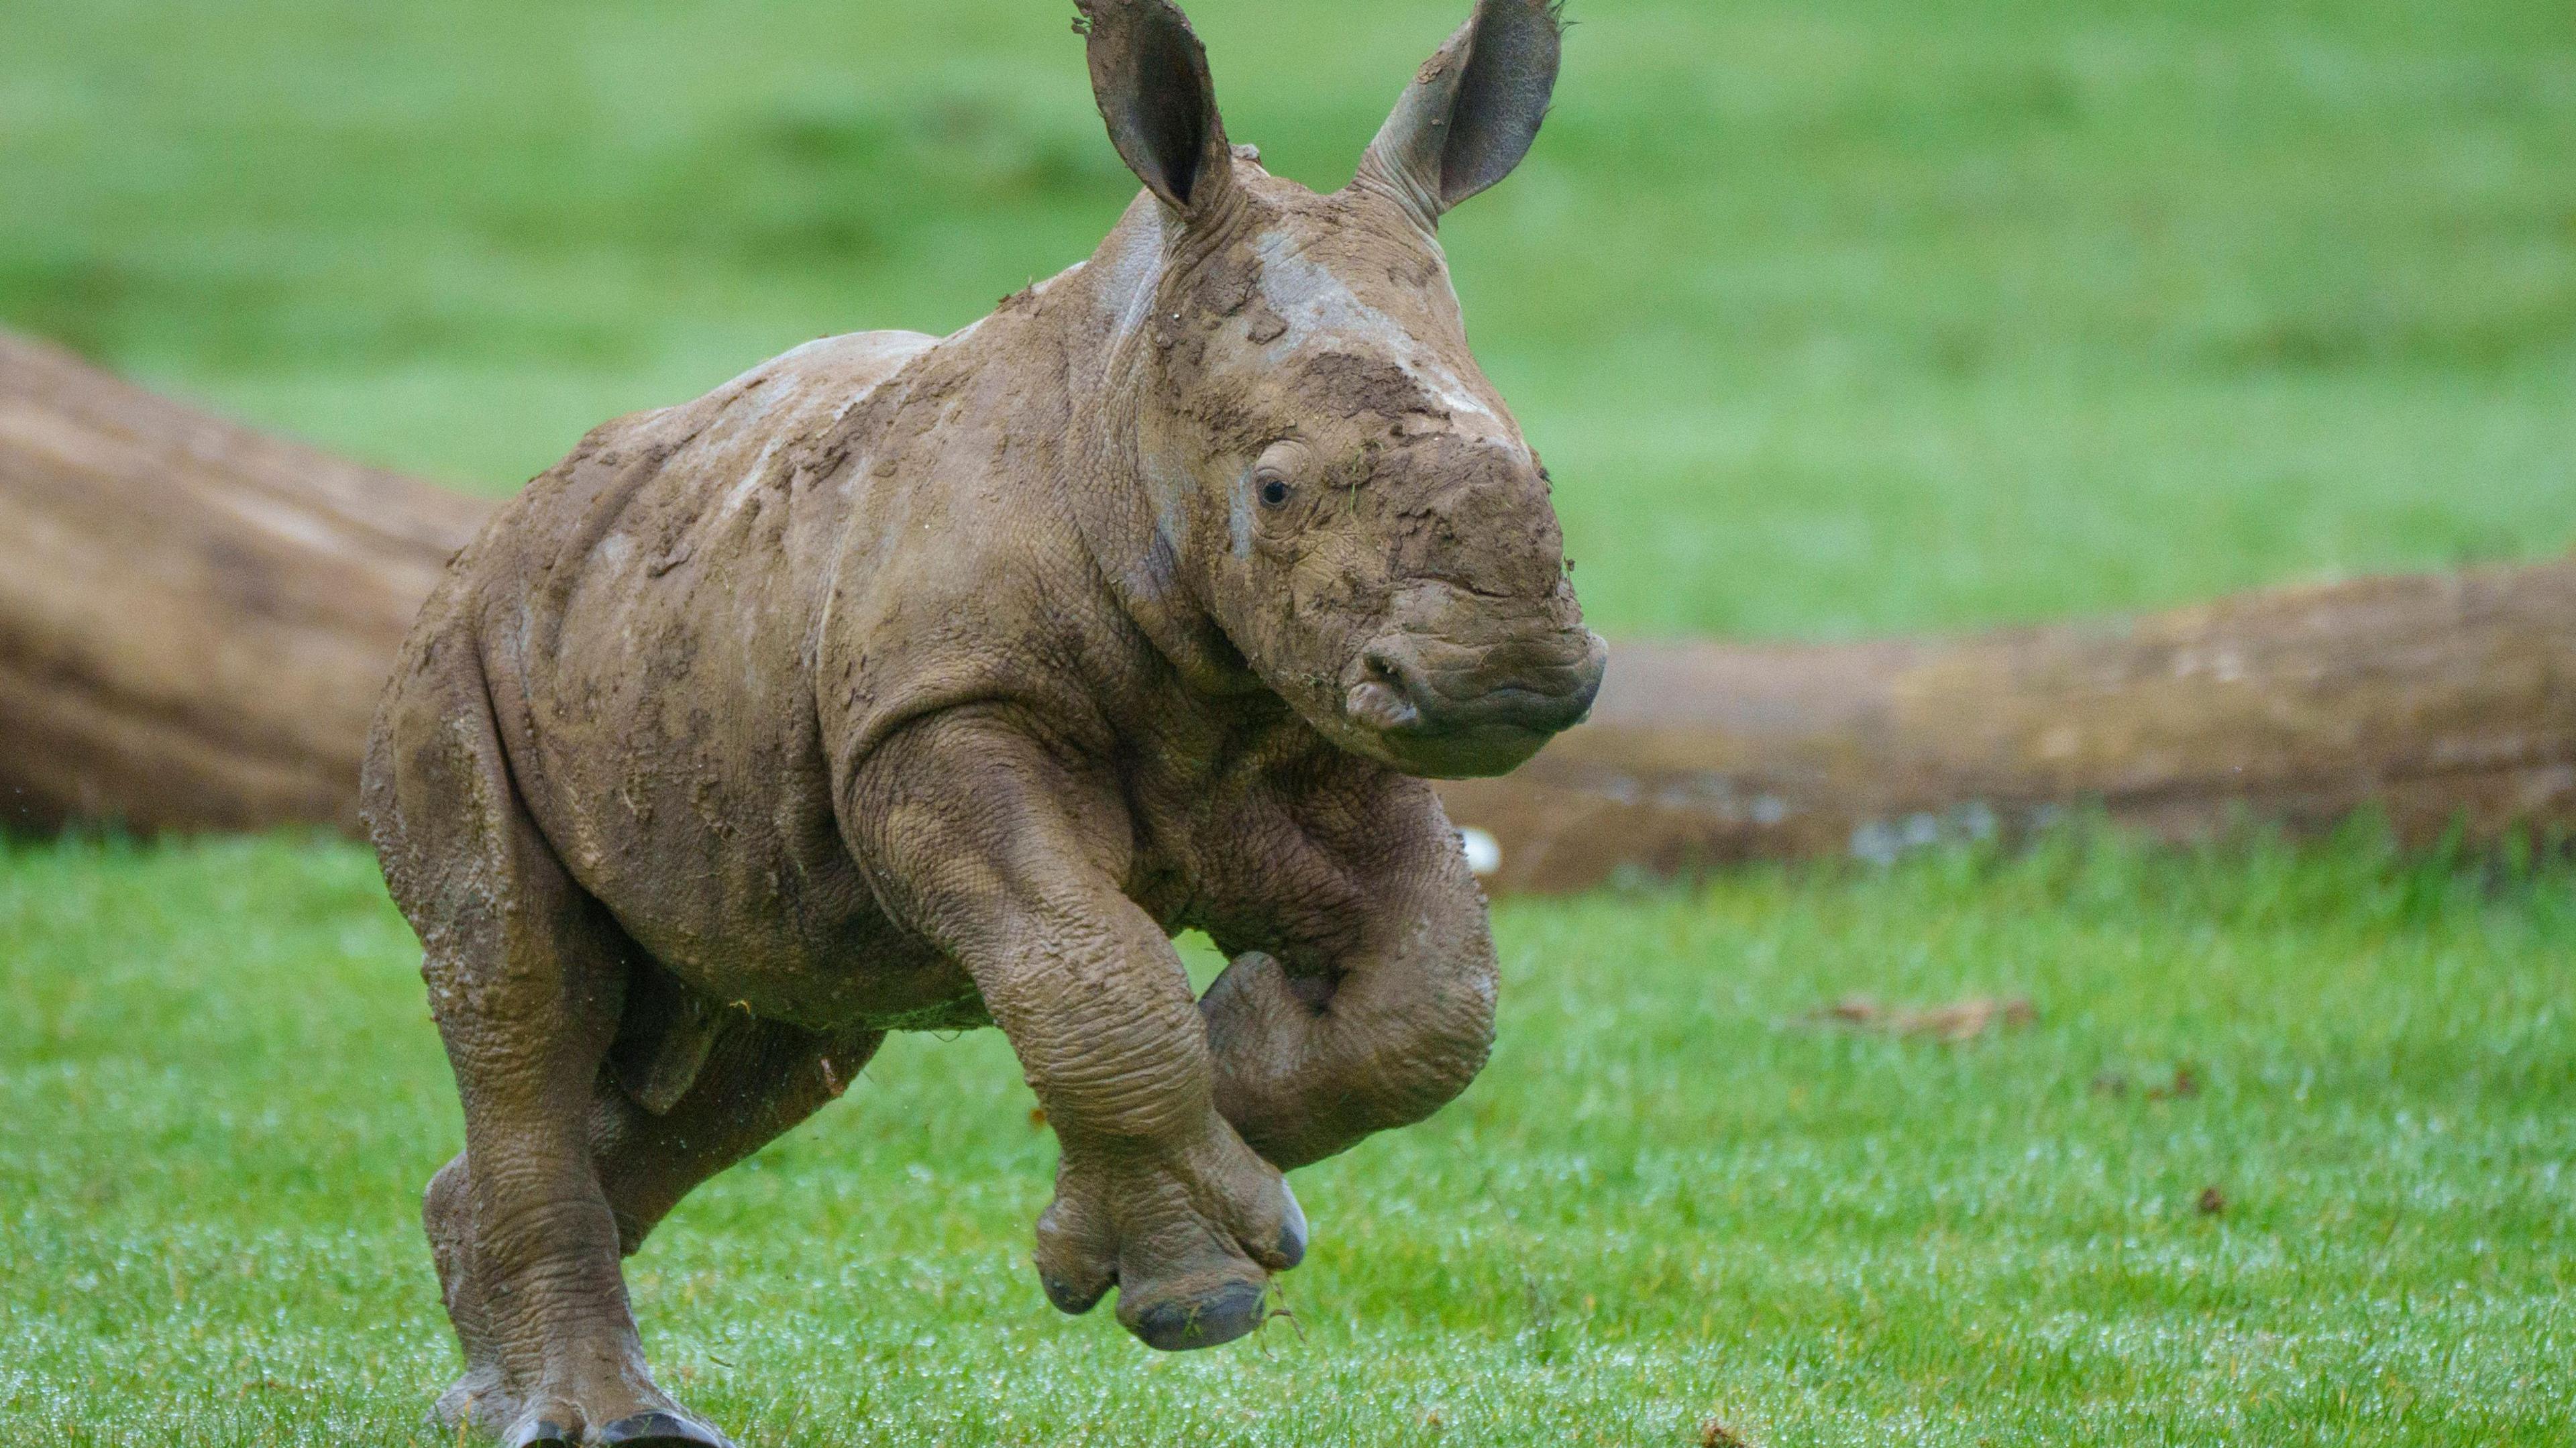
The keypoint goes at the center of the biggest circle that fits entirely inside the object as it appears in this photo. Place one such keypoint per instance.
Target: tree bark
(2438, 701)
(195, 621)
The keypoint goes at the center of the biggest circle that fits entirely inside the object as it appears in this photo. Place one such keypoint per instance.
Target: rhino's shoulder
(801, 392)
(849, 365)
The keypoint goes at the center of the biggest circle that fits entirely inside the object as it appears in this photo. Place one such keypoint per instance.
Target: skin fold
(908, 683)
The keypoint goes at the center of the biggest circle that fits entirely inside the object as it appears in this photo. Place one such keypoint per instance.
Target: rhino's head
(1332, 475)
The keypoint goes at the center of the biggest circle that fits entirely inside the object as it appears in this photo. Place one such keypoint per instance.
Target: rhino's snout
(1450, 710)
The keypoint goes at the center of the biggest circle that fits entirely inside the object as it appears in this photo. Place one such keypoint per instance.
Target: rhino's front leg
(1010, 856)
(1389, 1012)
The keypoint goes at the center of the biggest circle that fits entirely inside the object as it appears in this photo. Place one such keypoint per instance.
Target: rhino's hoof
(545, 1433)
(661, 1430)
(1071, 1299)
(1292, 1228)
(1221, 1316)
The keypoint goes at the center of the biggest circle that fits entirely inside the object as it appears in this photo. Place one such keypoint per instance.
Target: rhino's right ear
(1150, 75)
(1473, 109)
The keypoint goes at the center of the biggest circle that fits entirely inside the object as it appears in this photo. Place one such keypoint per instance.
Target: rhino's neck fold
(1132, 510)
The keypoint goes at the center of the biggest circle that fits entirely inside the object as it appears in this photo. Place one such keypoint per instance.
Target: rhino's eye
(1274, 481)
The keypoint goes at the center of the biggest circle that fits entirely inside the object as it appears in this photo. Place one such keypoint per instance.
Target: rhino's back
(650, 607)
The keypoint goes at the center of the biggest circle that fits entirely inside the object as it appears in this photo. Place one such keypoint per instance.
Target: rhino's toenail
(661, 1430)
(1221, 1317)
(1067, 1298)
(1292, 1227)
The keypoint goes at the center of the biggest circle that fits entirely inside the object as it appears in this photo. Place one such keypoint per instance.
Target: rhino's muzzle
(1447, 710)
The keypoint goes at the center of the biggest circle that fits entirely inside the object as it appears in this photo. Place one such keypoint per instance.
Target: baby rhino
(911, 684)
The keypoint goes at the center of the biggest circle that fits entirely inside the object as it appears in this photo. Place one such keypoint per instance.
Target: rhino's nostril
(1389, 692)
(1378, 705)
(1384, 697)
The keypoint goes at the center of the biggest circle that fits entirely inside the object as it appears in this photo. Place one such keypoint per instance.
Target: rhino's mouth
(1446, 710)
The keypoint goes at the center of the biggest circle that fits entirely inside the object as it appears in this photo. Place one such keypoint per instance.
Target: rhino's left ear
(1473, 109)
(1150, 75)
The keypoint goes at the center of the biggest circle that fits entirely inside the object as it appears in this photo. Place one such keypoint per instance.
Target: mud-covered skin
(907, 683)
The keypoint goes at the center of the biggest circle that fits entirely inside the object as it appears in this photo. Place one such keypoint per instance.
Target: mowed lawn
(1672, 1196)
(1831, 318)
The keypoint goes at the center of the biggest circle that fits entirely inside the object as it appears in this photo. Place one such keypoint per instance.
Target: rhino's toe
(476, 1398)
(544, 1432)
(1071, 1297)
(1181, 1324)
(1292, 1228)
(661, 1430)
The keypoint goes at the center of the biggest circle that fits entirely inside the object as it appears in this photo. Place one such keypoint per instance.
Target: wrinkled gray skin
(906, 683)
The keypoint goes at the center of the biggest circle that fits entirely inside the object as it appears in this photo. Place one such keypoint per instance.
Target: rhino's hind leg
(447, 1217)
(757, 1081)
(536, 1292)
(527, 980)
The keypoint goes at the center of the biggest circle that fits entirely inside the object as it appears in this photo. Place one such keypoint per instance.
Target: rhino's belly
(890, 982)
(684, 786)
(805, 944)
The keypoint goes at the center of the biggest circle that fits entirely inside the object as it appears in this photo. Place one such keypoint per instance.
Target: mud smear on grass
(1957, 1021)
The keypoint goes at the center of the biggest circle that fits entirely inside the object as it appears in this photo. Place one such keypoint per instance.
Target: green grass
(1831, 317)
(1667, 1197)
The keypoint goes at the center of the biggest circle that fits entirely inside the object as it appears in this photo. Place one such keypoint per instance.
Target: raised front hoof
(1180, 1324)
(661, 1430)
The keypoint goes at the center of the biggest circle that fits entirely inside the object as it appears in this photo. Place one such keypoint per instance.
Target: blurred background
(1832, 318)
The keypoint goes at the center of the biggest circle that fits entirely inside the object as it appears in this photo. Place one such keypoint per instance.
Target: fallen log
(195, 620)
(2440, 701)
